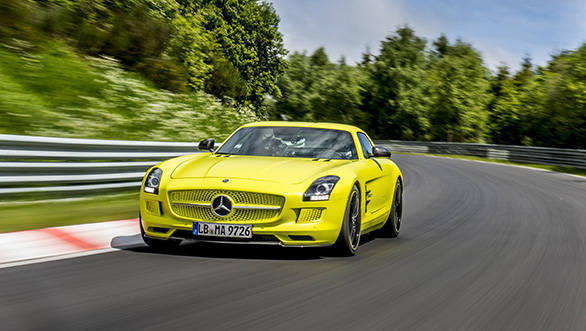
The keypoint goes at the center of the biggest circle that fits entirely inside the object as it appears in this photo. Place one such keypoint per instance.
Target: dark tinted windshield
(291, 142)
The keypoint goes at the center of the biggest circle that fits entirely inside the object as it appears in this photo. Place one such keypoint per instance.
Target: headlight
(320, 189)
(151, 185)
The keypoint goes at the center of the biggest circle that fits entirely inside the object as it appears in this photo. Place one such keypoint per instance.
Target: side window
(366, 145)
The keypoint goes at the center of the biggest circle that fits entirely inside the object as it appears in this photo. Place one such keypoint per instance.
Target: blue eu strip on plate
(195, 229)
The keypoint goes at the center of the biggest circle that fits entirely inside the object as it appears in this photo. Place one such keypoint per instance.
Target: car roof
(320, 125)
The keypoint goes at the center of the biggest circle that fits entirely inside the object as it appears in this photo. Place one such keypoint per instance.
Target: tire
(159, 244)
(349, 237)
(393, 224)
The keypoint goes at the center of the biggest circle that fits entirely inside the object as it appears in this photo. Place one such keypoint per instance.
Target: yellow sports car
(279, 183)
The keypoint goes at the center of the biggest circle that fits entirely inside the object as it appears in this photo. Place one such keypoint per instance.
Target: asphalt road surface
(483, 246)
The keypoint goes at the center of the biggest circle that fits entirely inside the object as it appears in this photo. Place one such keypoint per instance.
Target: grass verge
(35, 215)
(563, 169)
(53, 91)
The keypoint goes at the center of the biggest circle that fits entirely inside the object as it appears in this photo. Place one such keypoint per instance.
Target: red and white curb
(33, 246)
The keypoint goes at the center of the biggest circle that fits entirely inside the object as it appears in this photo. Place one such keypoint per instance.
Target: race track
(483, 246)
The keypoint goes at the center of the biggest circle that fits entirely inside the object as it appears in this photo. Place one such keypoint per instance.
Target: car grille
(248, 206)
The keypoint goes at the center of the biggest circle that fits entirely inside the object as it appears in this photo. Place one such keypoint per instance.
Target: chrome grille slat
(248, 207)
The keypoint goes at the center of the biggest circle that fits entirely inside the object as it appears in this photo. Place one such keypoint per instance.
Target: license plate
(222, 230)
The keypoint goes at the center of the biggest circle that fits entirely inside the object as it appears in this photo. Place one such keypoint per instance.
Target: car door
(374, 175)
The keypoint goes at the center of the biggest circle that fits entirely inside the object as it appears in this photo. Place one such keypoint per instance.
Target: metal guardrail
(521, 154)
(30, 165)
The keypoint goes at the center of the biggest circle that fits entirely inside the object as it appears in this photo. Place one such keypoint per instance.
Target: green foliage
(231, 49)
(191, 45)
(396, 96)
(408, 91)
(505, 110)
(314, 89)
(248, 35)
(56, 93)
(555, 102)
(319, 58)
(459, 93)
(337, 95)
(546, 107)
(226, 81)
(295, 87)
(17, 20)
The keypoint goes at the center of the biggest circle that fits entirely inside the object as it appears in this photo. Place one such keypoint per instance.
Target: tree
(441, 46)
(231, 48)
(504, 110)
(319, 58)
(525, 74)
(194, 48)
(557, 102)
(293, 101)
(459, 94)
(395, 92)
(314, 89)
(247, 32)
(336, 96)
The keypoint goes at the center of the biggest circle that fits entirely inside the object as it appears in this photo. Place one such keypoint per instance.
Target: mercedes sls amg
(277, 183)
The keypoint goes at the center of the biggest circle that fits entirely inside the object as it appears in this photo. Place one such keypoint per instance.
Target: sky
(503, 31)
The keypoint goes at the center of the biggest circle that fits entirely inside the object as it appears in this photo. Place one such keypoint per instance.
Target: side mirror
(207, 145)
(381, 151)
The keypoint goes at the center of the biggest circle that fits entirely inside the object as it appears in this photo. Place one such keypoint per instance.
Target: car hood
(262, 168)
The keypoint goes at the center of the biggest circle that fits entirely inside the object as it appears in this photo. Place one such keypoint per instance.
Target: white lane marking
(56, 257)
(63, 256)
(31, 244)
(35, 246)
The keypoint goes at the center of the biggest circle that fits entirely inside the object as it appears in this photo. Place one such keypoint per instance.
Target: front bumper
(289, 228)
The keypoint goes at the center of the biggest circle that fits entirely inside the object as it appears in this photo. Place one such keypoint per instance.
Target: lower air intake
(256, 238)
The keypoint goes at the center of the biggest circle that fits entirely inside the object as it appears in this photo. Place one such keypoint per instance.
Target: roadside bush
(56, 93)
(225, 80)
(18, 19)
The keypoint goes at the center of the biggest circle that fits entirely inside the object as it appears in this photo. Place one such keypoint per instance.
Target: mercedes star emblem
(221, 205)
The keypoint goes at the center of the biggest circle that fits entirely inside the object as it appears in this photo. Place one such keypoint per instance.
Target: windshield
(291, 142)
